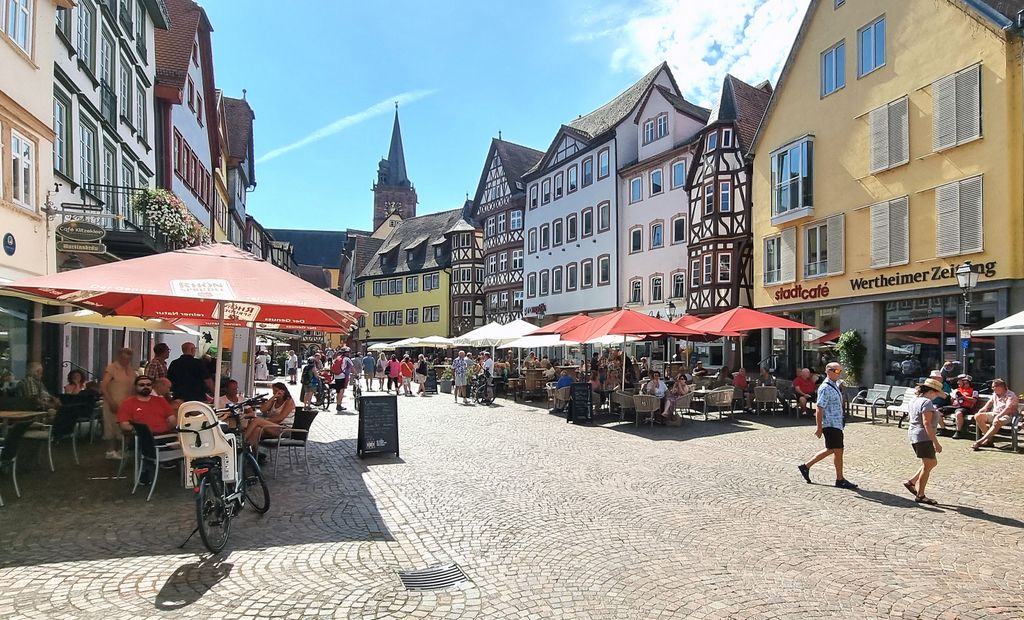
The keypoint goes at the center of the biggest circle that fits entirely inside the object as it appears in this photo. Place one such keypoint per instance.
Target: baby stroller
(483, 391)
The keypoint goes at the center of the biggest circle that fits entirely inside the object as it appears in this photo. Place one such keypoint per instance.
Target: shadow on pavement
(85, 513)
(189, 582)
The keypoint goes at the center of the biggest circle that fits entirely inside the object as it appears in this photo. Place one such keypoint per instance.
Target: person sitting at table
(765, 378)
(655, 386)
(279, 413)
(596, 387)
(564, 380)
(740, 382)
(645, 368)
(530, 361)
(699, 370)
(999, 410)
(549, 373)
(804, 388)
(33, 389)
(149, 410)
(231, 395)
(76, 382)
(964, 401)
(679, 389)
(724, 377)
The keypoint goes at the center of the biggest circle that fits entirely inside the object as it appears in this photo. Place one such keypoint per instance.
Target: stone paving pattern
(549, 520)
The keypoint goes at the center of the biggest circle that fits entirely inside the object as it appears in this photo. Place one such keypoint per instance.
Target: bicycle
(483, 391)
(224, 473)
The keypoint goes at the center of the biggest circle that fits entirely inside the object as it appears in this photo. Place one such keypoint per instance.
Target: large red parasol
(934, 325)
(189, 284)
(627, 323)
(562, 326)
(744, 320)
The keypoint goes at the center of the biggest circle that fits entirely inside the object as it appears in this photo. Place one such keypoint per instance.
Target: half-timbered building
(720, 250)
(498, 209)
(654, 204)
(571, 220)
(467, 274)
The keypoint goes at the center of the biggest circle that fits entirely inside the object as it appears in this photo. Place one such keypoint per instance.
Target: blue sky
(321, 76)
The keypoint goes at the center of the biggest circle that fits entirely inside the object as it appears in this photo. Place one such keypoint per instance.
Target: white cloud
(381, 107)
(702, 41)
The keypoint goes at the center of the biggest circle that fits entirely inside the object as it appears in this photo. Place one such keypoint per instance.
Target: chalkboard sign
(378, 425)
(580, 405)
(431, 385)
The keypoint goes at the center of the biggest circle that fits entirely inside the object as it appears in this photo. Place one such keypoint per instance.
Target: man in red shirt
(803, 385)
(144, 408)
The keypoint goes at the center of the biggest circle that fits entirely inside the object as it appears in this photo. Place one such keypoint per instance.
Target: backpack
(308, 374)
(422, 369)
(336, 367)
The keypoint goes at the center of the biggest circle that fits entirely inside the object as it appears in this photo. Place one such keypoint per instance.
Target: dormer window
(662, 126)
(648, 132)
(712, 141)
(410, 255)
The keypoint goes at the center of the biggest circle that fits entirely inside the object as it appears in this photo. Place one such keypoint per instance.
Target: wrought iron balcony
(128, 233)
(108, 104)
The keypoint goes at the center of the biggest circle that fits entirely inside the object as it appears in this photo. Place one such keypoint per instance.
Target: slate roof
(516, 159)
(314, 247)
(394, 165)
(366, 248)
(315, 275)
(611, 113)
(238, 118)
(1006, 8)
(174, 46)
(433, 226)
(741, 104)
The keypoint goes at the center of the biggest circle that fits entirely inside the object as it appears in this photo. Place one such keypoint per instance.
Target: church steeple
(397, 176)
(393, 192)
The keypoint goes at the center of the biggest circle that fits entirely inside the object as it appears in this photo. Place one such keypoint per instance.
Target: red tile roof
(174, 46)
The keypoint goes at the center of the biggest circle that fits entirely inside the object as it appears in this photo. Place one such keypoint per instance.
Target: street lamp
(670, 310)
(967, 278)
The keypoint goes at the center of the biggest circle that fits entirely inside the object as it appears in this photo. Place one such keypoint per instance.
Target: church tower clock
(393, 191)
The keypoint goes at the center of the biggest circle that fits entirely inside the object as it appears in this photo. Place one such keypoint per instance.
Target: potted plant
(444, 383)
(167, 212)
(851, 350)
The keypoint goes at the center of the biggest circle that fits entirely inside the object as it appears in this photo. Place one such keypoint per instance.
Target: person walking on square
(369, 370)
(460, 370)
(829, 423)
(292, 364)
(924, 416)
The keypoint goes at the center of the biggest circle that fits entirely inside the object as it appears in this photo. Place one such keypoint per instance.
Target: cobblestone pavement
(548, 519)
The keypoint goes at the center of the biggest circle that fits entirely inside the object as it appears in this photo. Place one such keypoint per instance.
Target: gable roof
(611, 114)
(678, 102)
(365, 250)
(516, 161)
(322, 248)
(238, 119)
(433, 226)
(999, 13)
(315, 275)
(174, 45)
(743, 105)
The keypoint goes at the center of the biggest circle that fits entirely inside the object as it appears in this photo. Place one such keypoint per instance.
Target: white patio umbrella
(381, 346)
(535, 342)
(435, 342)
(95, 319)
(495, 334)
(1010, 326)
(406, 342)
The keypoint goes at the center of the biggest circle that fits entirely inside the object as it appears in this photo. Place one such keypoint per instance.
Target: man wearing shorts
(999, 410)
(369, 369)
(460, 369)
(829, 423)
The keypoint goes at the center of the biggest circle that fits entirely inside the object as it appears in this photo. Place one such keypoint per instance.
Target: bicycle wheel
(254, 487)
(212, 515)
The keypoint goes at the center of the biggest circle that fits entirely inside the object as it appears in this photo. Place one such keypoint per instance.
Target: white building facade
(653, 205)
(571, 220)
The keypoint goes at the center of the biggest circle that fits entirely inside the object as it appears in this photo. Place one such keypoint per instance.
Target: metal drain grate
(433, 578)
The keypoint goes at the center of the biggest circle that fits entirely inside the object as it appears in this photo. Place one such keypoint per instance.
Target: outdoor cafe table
(10, 417)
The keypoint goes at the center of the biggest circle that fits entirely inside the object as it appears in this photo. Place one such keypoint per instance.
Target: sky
(322, 77)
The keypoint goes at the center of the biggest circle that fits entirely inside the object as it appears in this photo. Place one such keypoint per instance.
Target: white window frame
(492, 264)
(587, 273)
(517, 260)
(87, 164)
(724, 267)
(636, 240)
(636, 293)
(531, 285)
(515, 219)
(23, 164)
(725, 196)
(140, 111)
(657, 231)
(711, 141)
(682, 181)
(636, 190)
(531, 241)
(534, 192)
(586, 179)
(556, 280)
(586, 231)
(544, 235)
(557, 232)
(19, 30)
(817, 268)
(545, 191)
(695, 273)
(831, 59)
(678, 278)
(709, 198)
(662, 130)
(571, 277)
(85, 26)
(726, 137)
(604, 216)
(503, 262)
(544, 283)
(680, 218)
(489, 226)
(572, 228)
(559, 185)
(604, 163)
(657, 288)
(572, 180)
(872, 27)
(708, 264)
(467, 308)
(62, 152)
(772, 268)
(500, 219)
(804, 147)
(607, 262)
(657, 182)
(648, 131)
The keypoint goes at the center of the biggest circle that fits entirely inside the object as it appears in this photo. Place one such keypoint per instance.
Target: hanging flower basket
(169, 214)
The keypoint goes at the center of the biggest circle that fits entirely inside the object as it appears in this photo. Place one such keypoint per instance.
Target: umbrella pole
(623, 370)
(220, 352)
(250, 367)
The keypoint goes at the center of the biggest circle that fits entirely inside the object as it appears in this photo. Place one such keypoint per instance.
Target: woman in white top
(262, 366)
(279, 412)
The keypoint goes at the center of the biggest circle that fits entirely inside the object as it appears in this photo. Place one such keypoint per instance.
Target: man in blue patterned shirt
(460, 368)
(829, 418)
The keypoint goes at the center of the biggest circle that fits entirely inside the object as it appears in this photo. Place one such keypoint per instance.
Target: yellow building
(406, 286)
(890, 155)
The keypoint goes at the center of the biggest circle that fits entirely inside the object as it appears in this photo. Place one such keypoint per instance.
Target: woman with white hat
(922, 435)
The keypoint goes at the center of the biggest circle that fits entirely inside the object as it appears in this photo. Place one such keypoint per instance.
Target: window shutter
(834, 244)
(899, 137)
(968, 104)
(971, 229)
(880, 235)
(899, 231)
(879, 119)
(788, 255)
(947, 219)
(944, 114)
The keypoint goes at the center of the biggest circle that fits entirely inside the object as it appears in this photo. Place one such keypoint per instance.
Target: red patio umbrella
(561, 326)
(744, 320)
(826, 337)
(934, 325)
(207, 283)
